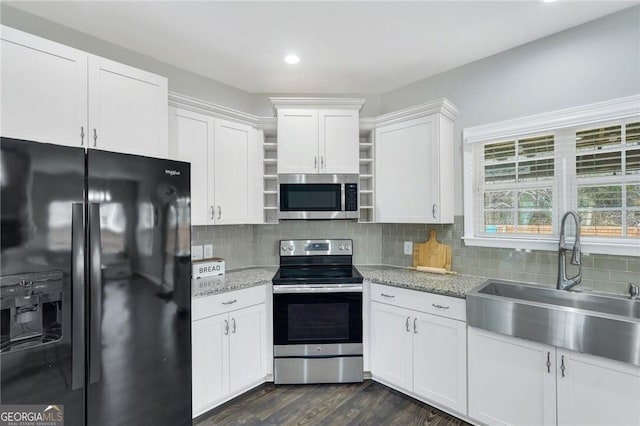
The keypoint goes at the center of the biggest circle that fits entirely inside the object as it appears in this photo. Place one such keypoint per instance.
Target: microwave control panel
(351, 197)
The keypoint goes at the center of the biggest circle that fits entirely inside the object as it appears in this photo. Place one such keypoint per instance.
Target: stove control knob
(290, 248)
(341, 247)
(347, 247)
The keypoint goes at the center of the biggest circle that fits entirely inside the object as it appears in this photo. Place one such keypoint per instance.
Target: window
(517, 186)
(522, 175)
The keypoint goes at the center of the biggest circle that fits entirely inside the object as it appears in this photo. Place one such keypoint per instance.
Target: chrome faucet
(564, 282)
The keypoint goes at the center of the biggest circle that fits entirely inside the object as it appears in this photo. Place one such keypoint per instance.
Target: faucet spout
(564, 282)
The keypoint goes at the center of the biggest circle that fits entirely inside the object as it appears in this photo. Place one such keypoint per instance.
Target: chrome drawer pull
(387, 295)
(439, 306)
(231, 302)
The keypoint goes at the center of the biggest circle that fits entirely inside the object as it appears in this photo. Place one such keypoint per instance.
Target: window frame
(563, 124)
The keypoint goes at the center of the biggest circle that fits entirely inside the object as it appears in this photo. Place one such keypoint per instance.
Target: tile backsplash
(599, 272)
(247, 245)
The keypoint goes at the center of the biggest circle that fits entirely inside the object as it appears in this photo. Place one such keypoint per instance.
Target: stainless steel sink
(592, 323)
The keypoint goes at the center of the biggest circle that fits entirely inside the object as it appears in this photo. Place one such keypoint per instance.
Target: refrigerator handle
(77, 296)
(95, 296)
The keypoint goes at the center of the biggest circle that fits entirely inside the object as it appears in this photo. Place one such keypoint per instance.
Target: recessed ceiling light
(548, 1)
(292, 59)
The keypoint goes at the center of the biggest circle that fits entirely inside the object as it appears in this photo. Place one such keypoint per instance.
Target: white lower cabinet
(421, 353)
(229, 346)
(509, 381)
(596, 391)
(519, 382)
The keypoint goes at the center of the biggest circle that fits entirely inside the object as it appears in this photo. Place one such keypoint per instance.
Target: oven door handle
(316, 288)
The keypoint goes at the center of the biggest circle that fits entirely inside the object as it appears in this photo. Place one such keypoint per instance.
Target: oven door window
(310, 197)
(317, 318)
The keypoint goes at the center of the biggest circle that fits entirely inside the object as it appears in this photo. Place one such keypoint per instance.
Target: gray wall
(182, 81)
(596, 61)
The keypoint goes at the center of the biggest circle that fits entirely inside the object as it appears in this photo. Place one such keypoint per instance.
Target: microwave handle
(343, 188)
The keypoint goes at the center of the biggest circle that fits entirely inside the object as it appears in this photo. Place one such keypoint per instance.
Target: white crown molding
(268, 123)
(198, 105)
(317, 103)
(439, 106)
(615, 109)
(367, 123)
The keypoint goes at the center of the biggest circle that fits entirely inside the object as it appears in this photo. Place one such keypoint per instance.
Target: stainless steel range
(317, 313)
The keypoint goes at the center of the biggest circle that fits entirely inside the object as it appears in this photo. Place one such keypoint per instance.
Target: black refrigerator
(95, 275)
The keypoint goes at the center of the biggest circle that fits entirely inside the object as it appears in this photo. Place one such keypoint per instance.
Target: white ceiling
(345, 47)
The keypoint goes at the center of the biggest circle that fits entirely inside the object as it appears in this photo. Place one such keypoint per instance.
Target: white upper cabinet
(414, 165)
(56, 94)
(234, 166)
(44, 90)
(225, 164)
(298, 141)
(318, 135)
(191, 136)
(127, 109)
(339, 141)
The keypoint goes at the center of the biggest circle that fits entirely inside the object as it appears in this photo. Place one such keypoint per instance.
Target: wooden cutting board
(432, 254)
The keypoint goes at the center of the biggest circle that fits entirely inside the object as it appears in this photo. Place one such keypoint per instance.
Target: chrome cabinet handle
(387, 295)
(439, 306)
(562, 367)
(315, 162)
(548, 362)
(230, 302)
(406, 324)
(433, 211)
(233, 320)
(81, 135)
(212, 212)
(226, 327)
(95, 137)
(322, 162)
(415, 326)
(219, 212)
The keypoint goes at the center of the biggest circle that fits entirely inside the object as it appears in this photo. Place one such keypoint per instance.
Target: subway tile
(617, 263)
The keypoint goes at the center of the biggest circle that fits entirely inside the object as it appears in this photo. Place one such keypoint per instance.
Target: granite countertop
(395, 276)
(232, 280)
(448, 285)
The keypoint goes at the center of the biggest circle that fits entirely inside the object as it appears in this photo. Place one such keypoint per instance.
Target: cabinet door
(127, 109)
(248, 349)
(339, 143)
(298, 141)
(391, 345)
(596, 391)
(440, 360)
(191, 139)
(209, 362)
(406, 155)
(231, 167)
(509, 381)
(44, 90)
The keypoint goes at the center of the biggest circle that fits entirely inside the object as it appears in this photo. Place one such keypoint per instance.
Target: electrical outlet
(208, 251)
(408, 247)
(196, 252)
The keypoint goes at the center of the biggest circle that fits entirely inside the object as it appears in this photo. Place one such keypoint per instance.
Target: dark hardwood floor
(367, 403)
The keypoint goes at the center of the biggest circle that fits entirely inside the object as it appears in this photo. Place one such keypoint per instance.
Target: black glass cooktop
(317, 275)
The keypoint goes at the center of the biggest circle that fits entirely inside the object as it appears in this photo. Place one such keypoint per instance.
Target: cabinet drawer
(227, 302)
(445, 306)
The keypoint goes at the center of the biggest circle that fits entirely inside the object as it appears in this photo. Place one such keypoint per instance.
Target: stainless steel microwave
(316, 196)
